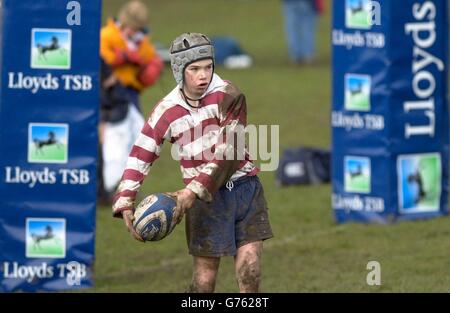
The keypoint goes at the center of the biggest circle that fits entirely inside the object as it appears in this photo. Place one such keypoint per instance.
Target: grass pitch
(310, 252)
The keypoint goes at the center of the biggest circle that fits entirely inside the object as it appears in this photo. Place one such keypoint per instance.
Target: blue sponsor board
(49, 113)
(390, 121)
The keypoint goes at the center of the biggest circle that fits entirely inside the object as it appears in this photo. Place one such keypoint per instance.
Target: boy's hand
(185, 200)
(128, 218)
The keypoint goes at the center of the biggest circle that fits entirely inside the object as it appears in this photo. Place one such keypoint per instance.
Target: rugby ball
(153, 217)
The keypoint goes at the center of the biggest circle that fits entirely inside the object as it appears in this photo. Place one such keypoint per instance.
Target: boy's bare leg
(204, 274)
(247, 266)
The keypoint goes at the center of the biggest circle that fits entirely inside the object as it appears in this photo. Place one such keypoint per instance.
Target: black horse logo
(417, 179)
(51, 140)
(357, 8)
(52, 46)
(355, 89)
(48, 234)
(357, 172)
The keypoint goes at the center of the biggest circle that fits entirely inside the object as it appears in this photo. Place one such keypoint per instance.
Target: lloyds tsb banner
(390, 119)
(48, 139)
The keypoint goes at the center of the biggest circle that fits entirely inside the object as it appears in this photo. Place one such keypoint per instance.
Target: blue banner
(390, 122)
(49, 104)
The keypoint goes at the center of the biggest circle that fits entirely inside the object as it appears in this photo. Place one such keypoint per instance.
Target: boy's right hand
(128, 218)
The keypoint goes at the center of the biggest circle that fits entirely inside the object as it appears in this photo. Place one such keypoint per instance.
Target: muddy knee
(202, 282)
(249, 276)
(204, 275)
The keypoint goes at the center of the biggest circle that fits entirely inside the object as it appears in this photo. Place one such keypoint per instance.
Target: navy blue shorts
(234, 218)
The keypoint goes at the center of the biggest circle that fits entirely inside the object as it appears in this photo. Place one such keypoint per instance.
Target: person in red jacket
(133, 65)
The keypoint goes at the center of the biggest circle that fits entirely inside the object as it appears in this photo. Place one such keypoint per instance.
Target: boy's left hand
(185, 200)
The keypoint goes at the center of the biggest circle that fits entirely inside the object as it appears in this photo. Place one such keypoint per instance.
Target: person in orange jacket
(129, 65)
(126, 46)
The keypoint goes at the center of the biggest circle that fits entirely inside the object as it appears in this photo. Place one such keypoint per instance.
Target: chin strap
(187, 98)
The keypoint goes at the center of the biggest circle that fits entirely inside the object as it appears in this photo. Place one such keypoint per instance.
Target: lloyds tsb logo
(425, 67)
(51, 48)
(48, 143)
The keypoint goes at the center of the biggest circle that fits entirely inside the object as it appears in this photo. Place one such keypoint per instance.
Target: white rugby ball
(153, 217)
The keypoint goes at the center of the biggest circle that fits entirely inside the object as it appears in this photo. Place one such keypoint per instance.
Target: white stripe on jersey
(194, 120)
(199, 145)
(191, 172)
(138, 165)
(147, 143)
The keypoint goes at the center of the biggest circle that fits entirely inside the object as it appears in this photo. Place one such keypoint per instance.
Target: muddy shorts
(236, 216)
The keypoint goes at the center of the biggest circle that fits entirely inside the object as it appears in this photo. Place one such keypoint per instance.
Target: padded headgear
(186, 49)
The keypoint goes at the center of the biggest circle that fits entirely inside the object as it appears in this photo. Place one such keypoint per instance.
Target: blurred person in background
(300, 21)
(129, 65)
(223, 199)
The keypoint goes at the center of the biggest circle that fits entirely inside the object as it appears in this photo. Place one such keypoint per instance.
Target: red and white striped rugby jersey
(200, 135)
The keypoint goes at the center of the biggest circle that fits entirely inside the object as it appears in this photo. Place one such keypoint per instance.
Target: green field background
(45, 248)
(358, 20)
(431, 172)
(357, 184)
(53, 59)
(359, 102)
(310, 252)
(50, 153)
